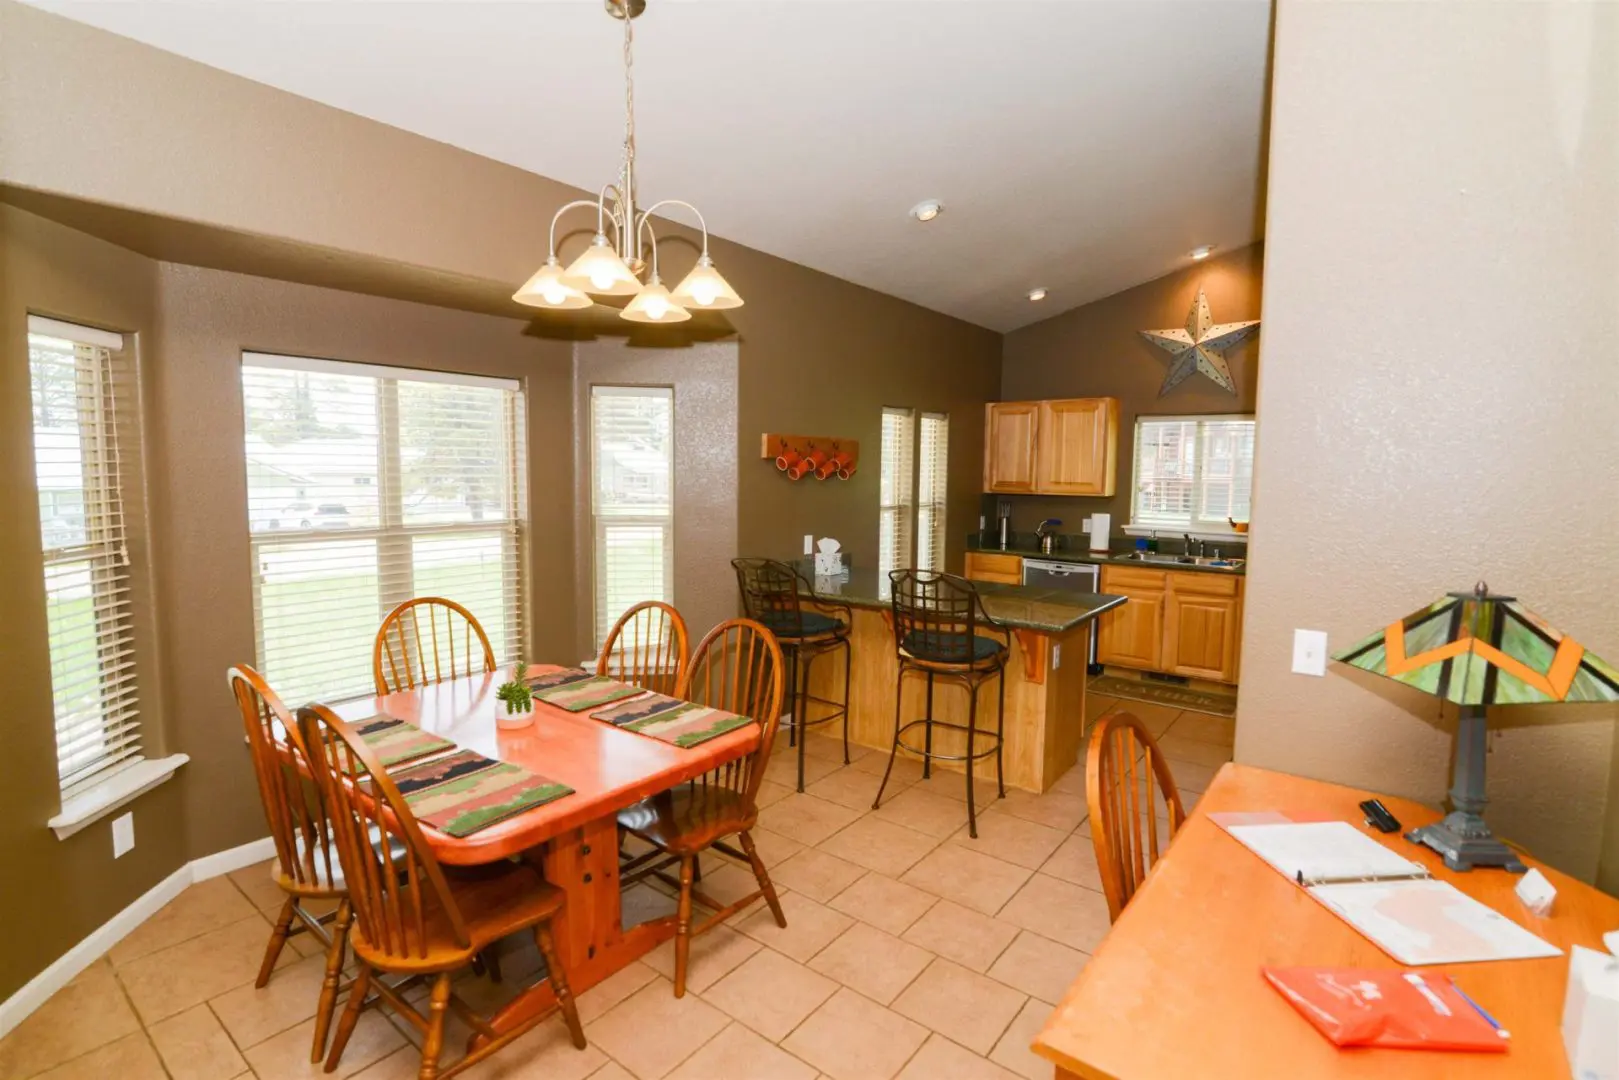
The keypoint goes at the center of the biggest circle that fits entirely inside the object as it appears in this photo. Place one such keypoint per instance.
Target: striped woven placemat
(396, 741)
(463, 792)
(680, 723)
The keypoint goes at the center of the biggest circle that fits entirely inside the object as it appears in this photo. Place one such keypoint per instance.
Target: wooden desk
(1175, 989)
(608, 769)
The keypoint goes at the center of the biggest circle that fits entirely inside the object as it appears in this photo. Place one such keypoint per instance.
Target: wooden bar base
(1045, 701)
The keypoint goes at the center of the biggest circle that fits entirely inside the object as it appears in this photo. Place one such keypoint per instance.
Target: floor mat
(1180, 697)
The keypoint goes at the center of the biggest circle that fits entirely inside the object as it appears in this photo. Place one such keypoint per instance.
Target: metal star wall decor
(1201, 346)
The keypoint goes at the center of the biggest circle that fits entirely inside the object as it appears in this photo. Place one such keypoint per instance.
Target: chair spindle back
(292, 807)
(738, 667)
(427, 640)
(647, 648)
(1128, 785)
(394, 881)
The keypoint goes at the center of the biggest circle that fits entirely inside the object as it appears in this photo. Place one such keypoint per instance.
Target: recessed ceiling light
(1202, 252)
(1037, 294)
(927, 210)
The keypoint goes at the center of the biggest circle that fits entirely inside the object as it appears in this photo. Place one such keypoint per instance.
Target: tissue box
(828, 563)
(1591, 1015)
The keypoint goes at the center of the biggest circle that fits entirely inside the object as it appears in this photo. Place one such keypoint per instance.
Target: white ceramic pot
(508, 721)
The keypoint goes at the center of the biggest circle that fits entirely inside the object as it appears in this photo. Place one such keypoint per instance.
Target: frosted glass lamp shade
(601, 272)
(546, 289)
(704, 288)
(653, 304)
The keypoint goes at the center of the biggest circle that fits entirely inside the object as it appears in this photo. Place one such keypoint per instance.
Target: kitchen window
(368, 486)
(82, 386)
(632, 498)
(933, 483)
(1192, 472)
(897, 500)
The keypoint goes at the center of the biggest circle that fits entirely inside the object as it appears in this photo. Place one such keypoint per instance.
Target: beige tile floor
(911, 951)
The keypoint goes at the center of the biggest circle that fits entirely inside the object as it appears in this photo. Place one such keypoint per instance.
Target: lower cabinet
(1176, 622)
(988, 566)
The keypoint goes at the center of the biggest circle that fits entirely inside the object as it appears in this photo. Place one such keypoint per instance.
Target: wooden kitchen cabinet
(1180, 623)
(1064, 447)
(990, 566)
(1132, 635)
(1078, 441)
(1011, 430)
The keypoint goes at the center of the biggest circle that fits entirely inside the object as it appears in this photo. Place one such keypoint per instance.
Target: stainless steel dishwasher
(1069, 577)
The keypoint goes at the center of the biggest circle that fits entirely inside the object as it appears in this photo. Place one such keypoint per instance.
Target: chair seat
(951, 650)
(689, 818)
(495, 900)
(808, 625)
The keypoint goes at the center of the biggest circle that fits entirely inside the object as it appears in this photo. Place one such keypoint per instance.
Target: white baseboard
(19, 1006)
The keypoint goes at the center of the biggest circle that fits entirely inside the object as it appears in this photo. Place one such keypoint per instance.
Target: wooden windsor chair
(427, 640)
(737, 667)
(647, 648)
(307, 865)
(1129, 788)
(410, 918)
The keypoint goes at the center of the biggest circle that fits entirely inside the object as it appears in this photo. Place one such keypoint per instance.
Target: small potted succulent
(517, 700)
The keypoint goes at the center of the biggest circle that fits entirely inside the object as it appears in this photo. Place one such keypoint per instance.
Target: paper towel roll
(1100, 525)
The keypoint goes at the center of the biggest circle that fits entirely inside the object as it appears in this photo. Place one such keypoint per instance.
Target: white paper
(1323, 851)
(1536, 892)
(1430, 922)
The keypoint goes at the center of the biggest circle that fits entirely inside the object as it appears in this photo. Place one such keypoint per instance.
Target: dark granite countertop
(1112, 558)
(1049, 611)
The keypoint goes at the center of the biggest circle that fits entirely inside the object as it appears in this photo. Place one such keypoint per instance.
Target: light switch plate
(123, 835)
(1310, 652)
(1056, 657)
(1085, 525)
(809, 543)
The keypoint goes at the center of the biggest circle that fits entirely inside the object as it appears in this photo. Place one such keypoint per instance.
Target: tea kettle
(1048, 541)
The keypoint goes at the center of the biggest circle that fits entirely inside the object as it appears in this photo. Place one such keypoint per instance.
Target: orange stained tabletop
(1175, 990)
(608, 768)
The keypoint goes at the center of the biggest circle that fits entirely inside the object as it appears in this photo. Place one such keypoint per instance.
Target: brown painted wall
(818, 354)
(1608, 869)
(1097, 351)
(1437, 388)
(54, 892)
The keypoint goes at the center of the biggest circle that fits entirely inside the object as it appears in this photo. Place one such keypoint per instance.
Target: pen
(1499, 1030)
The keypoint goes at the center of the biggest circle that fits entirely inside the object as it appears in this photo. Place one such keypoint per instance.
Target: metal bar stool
(777, 596)
(940, 629)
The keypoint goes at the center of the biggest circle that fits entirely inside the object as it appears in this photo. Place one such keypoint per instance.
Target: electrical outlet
(1310, 652)
(1056, 657)
(123, 835)
(809, 543)
(1085, 525)
(980, 522)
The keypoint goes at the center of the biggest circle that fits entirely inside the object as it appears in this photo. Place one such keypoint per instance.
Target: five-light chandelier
(613, 263)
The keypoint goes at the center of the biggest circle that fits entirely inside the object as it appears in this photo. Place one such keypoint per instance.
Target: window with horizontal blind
(632, 451)
(897, 505)
(932, 483)
(1192, 472)
(367, 486)
(84, 398)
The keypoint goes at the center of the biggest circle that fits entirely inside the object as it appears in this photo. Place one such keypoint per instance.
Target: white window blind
(897, 504)
(367, 486)
(632, 506)
(1192, 472)
(84, 401)
(933, 477)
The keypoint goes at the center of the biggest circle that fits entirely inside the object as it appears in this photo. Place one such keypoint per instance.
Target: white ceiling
(1082, 145)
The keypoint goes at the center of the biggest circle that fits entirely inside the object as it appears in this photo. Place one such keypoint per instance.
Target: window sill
(1175, 532)
(99, 800)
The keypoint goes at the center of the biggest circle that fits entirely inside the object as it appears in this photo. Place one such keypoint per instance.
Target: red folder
(1388, 1007)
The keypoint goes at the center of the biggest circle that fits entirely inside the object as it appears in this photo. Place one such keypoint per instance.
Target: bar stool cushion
(938, 649)
(810, 624)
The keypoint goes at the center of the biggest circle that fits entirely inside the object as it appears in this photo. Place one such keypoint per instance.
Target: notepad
(1395, 902)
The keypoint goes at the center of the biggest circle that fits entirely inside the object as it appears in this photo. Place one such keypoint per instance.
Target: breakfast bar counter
(1045, 675)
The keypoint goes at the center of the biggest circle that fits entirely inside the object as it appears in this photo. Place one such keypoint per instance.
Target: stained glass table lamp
(1478, 650)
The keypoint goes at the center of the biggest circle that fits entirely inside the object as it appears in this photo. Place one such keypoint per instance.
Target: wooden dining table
(1175, 988)
(575, 837)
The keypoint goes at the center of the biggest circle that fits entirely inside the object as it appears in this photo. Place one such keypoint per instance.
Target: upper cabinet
(1011, 429)
(1065, 447)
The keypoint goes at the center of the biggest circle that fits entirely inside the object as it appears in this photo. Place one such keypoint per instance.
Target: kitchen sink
(1184, 560)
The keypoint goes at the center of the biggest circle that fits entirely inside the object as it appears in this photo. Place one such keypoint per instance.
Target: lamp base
(1466, 843)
